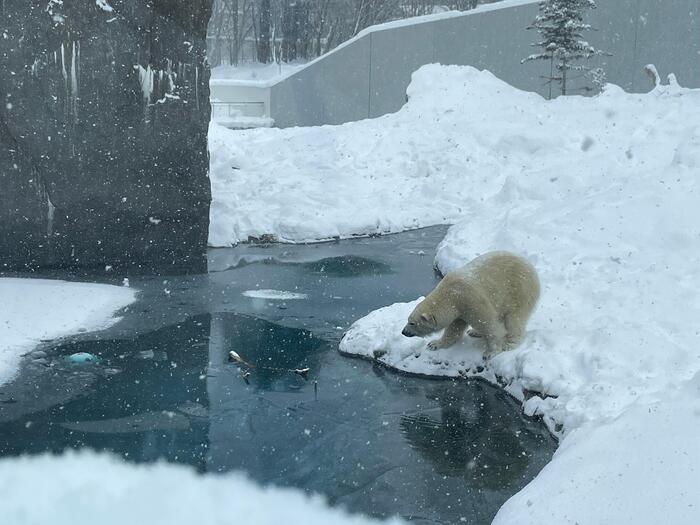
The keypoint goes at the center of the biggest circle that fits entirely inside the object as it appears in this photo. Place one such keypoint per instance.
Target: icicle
(146, 81)
(74, 79)
(49, 216)
(104, 5)
(63, 65)
(74, 74)
(196, 84)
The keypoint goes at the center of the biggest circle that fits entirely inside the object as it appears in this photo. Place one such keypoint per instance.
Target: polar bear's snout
(407, 332)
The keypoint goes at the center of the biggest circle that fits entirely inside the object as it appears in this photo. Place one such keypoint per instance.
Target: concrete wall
(331, 90)
(368, 76)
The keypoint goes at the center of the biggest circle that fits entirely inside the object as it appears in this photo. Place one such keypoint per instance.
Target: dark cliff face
(104, 110)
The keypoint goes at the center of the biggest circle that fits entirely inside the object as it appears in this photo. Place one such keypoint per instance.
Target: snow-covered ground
(461, 139)
(32, 310)
(601, 194)
(87, 488)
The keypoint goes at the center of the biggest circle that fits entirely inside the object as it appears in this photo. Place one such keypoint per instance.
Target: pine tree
(560, 24)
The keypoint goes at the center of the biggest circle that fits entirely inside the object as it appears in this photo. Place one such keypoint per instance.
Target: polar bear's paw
(434, 345)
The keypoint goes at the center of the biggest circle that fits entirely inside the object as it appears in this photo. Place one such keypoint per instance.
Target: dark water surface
(371, 440)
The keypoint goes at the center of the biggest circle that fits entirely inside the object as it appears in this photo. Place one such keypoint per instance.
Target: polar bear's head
(421, 322)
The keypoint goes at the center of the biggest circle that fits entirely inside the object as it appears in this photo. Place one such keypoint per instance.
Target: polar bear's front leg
(495, 335)
(494, 346)
(453, 333)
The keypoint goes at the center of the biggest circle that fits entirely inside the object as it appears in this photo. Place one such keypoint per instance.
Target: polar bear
(494, 295)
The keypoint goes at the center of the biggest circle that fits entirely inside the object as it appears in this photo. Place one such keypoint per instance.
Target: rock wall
(104, 113)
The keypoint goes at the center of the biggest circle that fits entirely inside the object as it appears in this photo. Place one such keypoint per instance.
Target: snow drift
(88, 488)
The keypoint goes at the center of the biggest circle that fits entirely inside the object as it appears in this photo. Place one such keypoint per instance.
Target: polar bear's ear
(428, 318)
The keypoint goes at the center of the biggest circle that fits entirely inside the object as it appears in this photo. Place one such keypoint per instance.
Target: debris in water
(234, 357)
(303, 372)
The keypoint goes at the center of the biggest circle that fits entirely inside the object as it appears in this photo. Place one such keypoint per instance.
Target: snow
(34, 310)
(87, 488)
(601, 195)
(104, 5)
(483, 8)
(378, 336)
(236, 120)
(253, 74)
(279, 295)
(641, 468)
(398, 171)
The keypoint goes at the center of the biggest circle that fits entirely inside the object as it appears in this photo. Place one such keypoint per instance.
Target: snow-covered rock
(32, 310)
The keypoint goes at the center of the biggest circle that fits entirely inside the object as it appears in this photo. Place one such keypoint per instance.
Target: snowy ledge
(377, 337)
(34, 310)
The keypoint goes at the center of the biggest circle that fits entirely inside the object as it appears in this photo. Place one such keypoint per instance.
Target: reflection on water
(348, 266)
(471, 438)
(272, 352)
(432, 451)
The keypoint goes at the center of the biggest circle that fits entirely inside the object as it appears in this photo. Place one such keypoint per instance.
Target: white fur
(494, 294)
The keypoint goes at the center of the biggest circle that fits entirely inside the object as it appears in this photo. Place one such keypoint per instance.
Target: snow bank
(640, 468)
(601, 194)
(32, 310)
(418, 167)
(462, 138)
(87, 488)
(613, 227)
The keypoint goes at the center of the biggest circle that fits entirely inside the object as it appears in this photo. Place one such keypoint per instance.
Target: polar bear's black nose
(406, 333)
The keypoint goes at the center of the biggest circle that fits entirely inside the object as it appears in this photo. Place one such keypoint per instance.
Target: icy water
(369, 439)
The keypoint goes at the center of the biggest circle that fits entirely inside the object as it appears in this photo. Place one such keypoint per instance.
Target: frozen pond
(433, 451)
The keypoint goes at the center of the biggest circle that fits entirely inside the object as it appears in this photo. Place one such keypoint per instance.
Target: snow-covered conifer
(561, 25)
